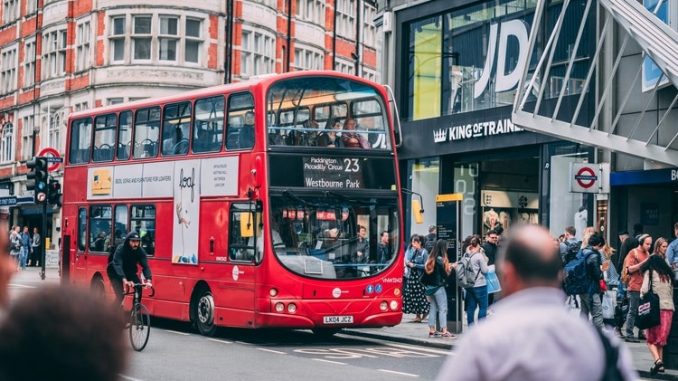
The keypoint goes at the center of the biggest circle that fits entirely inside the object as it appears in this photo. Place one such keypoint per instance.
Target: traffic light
(37, 178)
(54, 193)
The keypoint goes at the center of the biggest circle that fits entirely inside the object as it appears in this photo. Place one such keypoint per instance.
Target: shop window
(425, 68)
(143, 222)
(426, 182)
(100, 228)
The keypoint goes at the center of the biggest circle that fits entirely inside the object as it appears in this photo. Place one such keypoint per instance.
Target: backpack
(572, 250)
(466, 277)
(577, 280)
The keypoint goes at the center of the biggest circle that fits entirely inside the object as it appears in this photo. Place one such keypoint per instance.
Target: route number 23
(351, 165)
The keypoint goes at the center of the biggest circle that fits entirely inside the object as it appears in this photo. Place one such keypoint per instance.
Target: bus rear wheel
(203, 312)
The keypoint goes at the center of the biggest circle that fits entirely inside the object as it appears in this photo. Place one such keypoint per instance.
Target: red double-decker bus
(268, 203)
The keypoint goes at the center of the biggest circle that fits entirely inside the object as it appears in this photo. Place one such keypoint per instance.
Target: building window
(369, 74)
(346, 18)
(117, 39)
(168, 36)
(29, 63)
(141, 37)
(8, 70)
(7, 143)
(81, 106)
(10, 11)
(257, 53)
(54, 54)
(31, 6)
(27, 137)
(54, 129)
(270, 3)
(193, 40)
(344, 66)
(311, 10)
(308, 59)
(114, 101)
(82, 45)
(369, 30)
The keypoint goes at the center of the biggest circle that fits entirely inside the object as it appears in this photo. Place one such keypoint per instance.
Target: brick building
(60, 56)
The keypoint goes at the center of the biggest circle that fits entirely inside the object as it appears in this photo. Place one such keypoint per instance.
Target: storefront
(461, 66)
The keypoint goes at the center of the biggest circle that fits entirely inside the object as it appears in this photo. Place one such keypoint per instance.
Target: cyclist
(123, 265)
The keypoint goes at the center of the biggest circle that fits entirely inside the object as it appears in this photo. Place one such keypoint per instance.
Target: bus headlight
(292, 308)
(394, 305)
(396, 292)
(383, 306)
(273, 292)
(279, 307)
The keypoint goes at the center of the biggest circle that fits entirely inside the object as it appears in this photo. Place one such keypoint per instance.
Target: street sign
(590, 178)
(8, 201)
(53, 157)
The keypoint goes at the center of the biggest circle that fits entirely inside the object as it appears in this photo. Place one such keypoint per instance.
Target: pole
(43, 239)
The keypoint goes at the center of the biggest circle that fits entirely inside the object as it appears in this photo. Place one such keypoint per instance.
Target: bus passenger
(352, 139)
(246, 137)
(384, 248)
(330, 137)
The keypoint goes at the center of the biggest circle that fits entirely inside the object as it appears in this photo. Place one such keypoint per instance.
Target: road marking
(129, 378)
(177, 332)
(221, 341)
(272, 351)
(331, 362)
(400, 373)
(423, 349)
(243, 343)
(20, 285)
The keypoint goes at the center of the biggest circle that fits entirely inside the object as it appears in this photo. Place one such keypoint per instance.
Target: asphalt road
(174, 352)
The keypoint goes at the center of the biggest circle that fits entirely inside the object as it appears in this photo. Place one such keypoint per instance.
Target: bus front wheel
(203, 313)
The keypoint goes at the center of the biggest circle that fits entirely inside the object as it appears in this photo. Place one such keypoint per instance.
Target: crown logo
(440, 135)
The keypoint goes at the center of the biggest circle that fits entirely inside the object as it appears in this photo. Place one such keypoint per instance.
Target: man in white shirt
(531, 335)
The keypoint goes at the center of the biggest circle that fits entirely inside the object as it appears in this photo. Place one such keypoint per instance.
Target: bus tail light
(394, 305)
(383, 306)
(279, 307)
(292, 308)
(273, 292)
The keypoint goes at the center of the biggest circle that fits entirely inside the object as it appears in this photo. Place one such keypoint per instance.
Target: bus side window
(208, 128)
(120, 227)
(240, 130)
(124, 135)
(99, 228)
(82, 229)
(143, 222)
(146, 132)
(104, 137)
(175, 129)
(81, 141)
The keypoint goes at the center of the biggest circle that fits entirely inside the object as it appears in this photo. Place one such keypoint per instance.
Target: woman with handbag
(414, 300)
(658, 278)
(436, 271)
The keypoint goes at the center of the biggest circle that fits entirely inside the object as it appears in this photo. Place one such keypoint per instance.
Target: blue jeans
(476, 297)
(23, 257)
(438, 307)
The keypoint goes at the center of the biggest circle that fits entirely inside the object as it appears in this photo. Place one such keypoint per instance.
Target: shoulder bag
(648, 309)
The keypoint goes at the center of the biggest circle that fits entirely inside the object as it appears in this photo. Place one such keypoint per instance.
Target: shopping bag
(648, 309)
(492, 281)
(609, 304)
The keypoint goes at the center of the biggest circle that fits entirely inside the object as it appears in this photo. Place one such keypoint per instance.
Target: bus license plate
(337, 319)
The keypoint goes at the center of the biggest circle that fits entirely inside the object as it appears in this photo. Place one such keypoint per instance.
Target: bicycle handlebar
(142, 285)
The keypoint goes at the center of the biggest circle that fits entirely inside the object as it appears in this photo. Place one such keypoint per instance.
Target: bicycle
(139, 319)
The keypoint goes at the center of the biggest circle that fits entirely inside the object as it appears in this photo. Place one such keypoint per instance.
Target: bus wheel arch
(201, 310)
(97, 284)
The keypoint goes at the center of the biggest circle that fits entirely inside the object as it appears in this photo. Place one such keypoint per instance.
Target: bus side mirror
(418, 212)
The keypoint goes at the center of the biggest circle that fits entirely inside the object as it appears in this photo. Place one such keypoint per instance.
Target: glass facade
(470, 59)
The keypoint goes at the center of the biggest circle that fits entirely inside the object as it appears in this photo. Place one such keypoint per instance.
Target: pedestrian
(476, 296)
(36, 255)
(431, 238)
(657, 272)
(591, 301)
(570, 246)
(437, 269)
(660, 248)
(634, 278)
(62, 333)
(414, 298)
(672, 252)
(532, 335)
(490, 249)
(15, 245)
(25, 247)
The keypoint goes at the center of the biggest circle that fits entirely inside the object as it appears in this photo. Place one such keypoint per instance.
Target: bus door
(78, 251)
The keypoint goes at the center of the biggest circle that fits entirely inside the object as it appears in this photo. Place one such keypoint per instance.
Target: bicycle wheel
(139, 327)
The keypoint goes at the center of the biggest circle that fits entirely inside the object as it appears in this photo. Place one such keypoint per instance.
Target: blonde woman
(656, 272)
(660, 247)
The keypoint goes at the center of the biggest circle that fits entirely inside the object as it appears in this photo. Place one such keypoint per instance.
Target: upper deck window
(81, 141)
(146, 133)
(175, 129)
(208, 127)
(326, 112)
(104, 137)
(240, 132)
(124, 135)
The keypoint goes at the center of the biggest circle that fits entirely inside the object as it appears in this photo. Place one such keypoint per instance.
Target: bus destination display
(332, 172)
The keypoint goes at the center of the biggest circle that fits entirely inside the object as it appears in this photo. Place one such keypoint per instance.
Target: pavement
(417, 334)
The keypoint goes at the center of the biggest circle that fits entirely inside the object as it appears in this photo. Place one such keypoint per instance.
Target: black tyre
(203, 312)
(139, 327)
(98, 286)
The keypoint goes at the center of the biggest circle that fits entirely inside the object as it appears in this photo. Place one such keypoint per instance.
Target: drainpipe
(228, 51)
(357, 37)
(289, 36)
(36, 119)
(334, 37)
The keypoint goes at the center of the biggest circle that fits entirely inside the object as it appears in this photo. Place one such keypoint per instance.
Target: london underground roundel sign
(586, 177)
(53, 158)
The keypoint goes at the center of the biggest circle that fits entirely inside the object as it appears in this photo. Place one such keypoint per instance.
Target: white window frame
(7, 145)
(170, 38)
(83, 45)
(369, 29)
(114, 38)
(141, 36)
(82, 106)
(29, 62)
(31, 7)
(312, 11)
(191, 39)
(257, 60)
(346, 19)
(9, 60)
(308, 58)
(54, 129)
(28, 124)
(344, 66)
(54, 53)
(114, 101)
(10, 11)
(268, 3)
